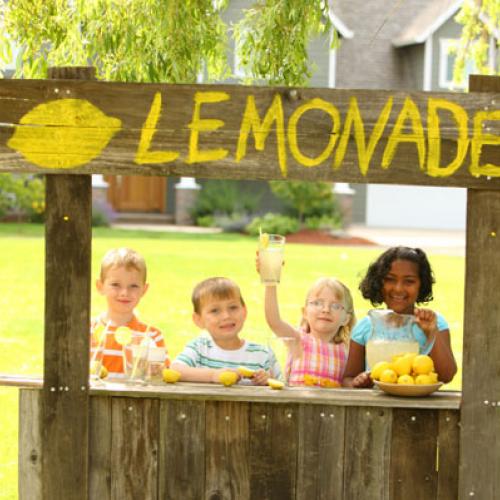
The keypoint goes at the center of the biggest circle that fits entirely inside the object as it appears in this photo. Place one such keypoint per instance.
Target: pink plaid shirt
(317, 363)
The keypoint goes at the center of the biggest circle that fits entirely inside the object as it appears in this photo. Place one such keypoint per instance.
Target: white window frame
(444, 83)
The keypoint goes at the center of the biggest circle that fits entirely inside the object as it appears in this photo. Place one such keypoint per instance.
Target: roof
(427, 22)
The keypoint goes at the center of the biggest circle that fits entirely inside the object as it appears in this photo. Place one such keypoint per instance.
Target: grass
(176, 262)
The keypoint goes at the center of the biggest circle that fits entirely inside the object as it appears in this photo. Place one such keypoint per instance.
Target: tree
(481, 25)
(161, 40)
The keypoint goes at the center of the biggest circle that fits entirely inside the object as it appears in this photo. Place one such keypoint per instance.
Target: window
(447, 57)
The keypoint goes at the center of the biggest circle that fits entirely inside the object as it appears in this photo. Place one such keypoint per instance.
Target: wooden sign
(224, 131)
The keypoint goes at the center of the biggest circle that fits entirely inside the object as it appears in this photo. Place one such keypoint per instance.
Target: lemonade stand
(197, 441)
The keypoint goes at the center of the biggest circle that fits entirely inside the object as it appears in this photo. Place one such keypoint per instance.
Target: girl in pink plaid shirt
(317, 350)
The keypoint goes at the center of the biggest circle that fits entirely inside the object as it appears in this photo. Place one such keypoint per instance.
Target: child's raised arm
(278, 326)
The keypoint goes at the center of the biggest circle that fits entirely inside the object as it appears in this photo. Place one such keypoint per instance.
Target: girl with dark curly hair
(400, 278)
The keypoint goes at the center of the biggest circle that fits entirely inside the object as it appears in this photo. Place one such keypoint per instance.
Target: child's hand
(427, 320)
(362, 380)
(260, 377)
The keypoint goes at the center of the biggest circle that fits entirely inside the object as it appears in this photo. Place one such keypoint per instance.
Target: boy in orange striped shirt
(122, 282)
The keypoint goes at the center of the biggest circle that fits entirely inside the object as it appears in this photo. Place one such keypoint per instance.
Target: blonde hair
(123, 257)
(344, 295)
(215, 288)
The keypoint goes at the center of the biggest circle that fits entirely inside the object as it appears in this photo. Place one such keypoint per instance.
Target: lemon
(378, 369)
(434, 377)
(170, 376)
(245, 372)
(397, 356)
(402, 365)
(228, 378)
(98, 334)
(104, 372)
(264, 240)
(275, 384)
(389, 376)
(328, 383)
(310, 379)
(423, 380)
(422, 365)
(406, 380)
(63, 133)
(123, 335)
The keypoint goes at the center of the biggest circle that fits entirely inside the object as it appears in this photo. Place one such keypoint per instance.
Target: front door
(131, 193)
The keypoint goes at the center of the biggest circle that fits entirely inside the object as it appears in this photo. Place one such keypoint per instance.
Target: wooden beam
(243, 132)
(480, 414)
(65, 401)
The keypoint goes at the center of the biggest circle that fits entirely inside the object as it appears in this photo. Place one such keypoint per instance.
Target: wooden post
(65, 402)
(480, 417)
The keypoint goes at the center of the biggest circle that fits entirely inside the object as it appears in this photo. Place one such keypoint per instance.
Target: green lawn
(176, 262)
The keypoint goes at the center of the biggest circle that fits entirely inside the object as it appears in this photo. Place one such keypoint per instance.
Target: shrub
(306, 199)
(323, 222)
(102, 214)
(22, 195)
(224, 198)
(273, 223)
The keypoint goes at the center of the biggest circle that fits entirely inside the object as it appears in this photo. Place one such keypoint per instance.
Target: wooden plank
(67, 305)
(413, 454)
(182, 450)
(320, 464)
(134, 448)
(204, 131)
(367, 453)
(479, 444)
(30, 446)
(273, 450)
(100, 439)
(449, 440)
(227, 451)
(339, 397)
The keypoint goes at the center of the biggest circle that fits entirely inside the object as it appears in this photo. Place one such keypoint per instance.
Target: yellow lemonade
(270, 262)
(384, 350)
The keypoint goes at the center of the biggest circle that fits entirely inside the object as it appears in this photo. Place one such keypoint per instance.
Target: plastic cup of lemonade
(271, 251)
(136, 355)
(156, 363)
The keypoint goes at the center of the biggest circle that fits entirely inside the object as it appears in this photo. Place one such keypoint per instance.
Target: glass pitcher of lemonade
(391, 334)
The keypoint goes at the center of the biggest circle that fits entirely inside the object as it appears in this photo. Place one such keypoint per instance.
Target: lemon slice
(264, 240)
(275, 384)
(98, 334)
(123, 335)
(245, 372)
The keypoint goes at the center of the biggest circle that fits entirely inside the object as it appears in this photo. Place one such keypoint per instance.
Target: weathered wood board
(224, 131)
(181, 448)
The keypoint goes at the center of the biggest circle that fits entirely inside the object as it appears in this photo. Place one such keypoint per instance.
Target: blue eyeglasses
(320, 304)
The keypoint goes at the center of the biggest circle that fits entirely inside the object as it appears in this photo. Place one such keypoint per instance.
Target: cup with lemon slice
(271, 251)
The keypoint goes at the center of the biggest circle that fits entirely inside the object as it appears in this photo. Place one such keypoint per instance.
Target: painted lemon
(275, 384)
(170, 376)
(228, 378)
(123, 335)
(104, 372)
(64, 133)
(245, 372)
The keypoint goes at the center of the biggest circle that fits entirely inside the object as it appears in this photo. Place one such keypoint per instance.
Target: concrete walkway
(449, 242)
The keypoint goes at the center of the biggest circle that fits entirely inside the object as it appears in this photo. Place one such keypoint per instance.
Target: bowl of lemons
(408, 374)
